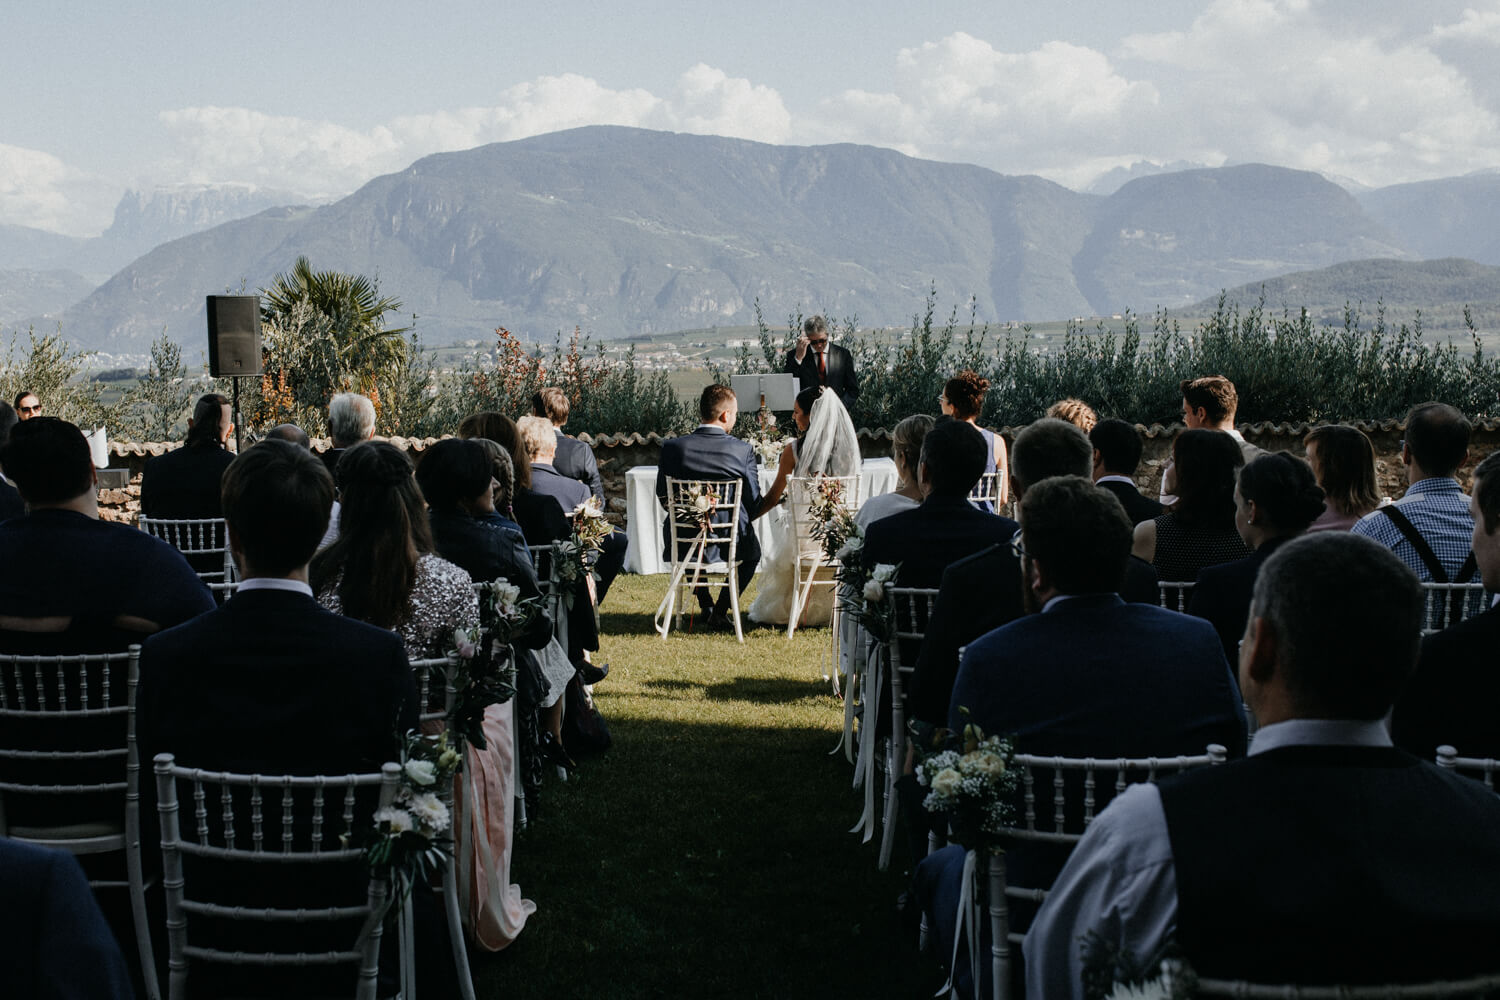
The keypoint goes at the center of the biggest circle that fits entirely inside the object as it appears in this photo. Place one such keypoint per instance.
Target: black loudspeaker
(233, 335)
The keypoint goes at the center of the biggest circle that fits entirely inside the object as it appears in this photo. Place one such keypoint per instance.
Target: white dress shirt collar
(1320, 732)
(275, 583)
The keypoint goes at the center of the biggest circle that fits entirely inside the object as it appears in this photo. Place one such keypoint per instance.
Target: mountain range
(626, 232)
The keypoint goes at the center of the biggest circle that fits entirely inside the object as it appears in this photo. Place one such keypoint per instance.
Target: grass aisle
(706, 853)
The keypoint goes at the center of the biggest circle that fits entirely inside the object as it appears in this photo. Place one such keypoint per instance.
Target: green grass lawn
(706, 855)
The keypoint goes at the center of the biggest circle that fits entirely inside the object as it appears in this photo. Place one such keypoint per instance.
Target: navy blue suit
(1094, 676)
(53, 939)
(548, 481)
(1451, 698)
(1222, 595)
(930, 537)
(712, 453)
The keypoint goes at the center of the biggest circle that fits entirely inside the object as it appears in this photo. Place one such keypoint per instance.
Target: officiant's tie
(822, 368)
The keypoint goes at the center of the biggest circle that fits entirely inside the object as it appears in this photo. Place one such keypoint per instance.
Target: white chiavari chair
(1480, 768)
(1175, 594)
(87, 704)
(1450, 603)
(199, 537)
(253, 824)
(810, 566)
(694, 541)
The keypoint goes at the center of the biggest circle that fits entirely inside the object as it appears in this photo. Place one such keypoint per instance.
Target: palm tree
(333, 329)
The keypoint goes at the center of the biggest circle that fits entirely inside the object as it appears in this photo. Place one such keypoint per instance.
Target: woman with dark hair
(383, 570)
(1198, 530)
(962, 399)
(185, 483)
(1343, 460)
(1276, 500)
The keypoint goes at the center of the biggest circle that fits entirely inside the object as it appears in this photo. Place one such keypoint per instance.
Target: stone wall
(617, 454)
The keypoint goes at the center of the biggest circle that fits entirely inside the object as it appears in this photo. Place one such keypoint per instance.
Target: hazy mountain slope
(1171, 239)
(1452, 217)
(26, 293)
(1438, 288)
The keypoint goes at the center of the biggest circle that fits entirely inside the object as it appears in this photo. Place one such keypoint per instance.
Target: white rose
(429, 810)
(884, 572)
(507, 594)
(874, 591)
(464, 643)
(701, 504)
(395, 820)
(421, 771)
(946, 783)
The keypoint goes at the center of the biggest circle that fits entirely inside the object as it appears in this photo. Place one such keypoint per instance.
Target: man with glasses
(27, 405)
(817, 362)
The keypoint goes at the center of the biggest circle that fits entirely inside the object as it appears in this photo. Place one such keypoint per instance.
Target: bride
(825, 446)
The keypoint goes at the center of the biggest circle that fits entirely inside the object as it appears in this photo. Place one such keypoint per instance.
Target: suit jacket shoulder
(1452, 696)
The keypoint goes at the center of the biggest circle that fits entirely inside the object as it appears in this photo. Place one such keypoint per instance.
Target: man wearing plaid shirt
(1435, 508)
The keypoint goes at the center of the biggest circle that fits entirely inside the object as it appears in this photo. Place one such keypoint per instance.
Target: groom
(710, 452)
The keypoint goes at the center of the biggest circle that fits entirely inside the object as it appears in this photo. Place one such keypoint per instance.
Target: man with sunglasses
(815, 361)
(27, 405)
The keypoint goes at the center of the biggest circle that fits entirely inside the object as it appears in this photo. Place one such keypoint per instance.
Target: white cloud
(321, 158)
(39, 190)
(1473, 25)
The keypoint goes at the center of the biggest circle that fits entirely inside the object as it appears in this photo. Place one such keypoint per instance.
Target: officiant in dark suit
(817, 362)
(711, 452)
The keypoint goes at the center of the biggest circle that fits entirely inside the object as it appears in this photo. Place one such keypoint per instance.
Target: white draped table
(644, 513)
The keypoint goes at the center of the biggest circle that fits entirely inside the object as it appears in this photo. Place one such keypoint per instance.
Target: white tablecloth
(644, 514)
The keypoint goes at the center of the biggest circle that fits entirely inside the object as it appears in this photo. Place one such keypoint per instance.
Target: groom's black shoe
(591, 673)
(719, 622)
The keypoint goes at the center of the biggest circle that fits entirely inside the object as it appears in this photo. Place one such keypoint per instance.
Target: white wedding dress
(830, 448)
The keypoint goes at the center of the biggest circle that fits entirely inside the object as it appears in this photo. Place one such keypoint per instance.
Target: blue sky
(317, 98)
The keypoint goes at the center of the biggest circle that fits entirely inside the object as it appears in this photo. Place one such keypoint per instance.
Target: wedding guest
(906, 452)
(540, 439)
(1198, 528)
(816, 362)
(945, 527)
(11, 504)
(1451, 699)
(457, 481)
(54, 941)
(1275, 500)
(1117, 454)
(1074, 411)
(1412, 884)
(383, 571)
(541, 517)
(1430, 527)
(1343, 460)
(184, 482)
(290, 433)
(1208, 403)
(711, 452)
(89, 585)
(294, 689)
(981, 592)
(351, 419)
(28, 405)
(573, 458)
(962, 398)
(1088, 676)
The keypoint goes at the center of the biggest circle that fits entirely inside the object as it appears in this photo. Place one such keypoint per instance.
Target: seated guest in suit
(1343, 460)
(290, 433)
(945, 527)
(53, 938)
(574, 459)
(1089, 676)
(271, 682)
(1117, 453)
(1451, 699)
(1275, 501)
(184, 483)
(711, 452)
(962, 399)
(89, 585)
(981, 592)
(541, 439)
(1198, 528)
(1208, 403)
(1324, 825)
(11, 504)
(351, 419)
